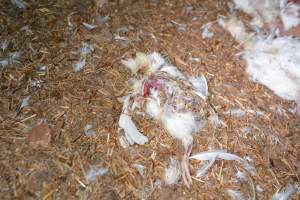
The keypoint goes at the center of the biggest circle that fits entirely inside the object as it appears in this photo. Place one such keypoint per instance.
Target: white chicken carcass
(177, 102)
(271, 61)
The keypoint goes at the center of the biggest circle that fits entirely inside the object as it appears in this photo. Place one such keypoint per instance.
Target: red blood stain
(293, 1)
(150, 84)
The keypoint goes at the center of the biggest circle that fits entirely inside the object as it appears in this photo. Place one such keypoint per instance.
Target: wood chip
(40, 136)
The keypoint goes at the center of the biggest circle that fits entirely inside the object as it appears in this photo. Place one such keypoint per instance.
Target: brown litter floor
(67, 101)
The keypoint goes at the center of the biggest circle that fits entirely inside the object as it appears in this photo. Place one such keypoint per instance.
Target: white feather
(275, 60)
(172, 71)
(181, 126)
(235, 195)
(88, 131)
(290, 15)
(248, 6)
(95, 172)
(131, 132)
(236, 112)
(270, 60)
(25, 102)
(206, 33)
(220, 154)
(131, 64)
(215, 121)
(235, 27)
(141, 60)
(204, 168)
(200, 86)
(285, 194)
(4, 44)
(79, 65)
(156, 61)
(20, 4)
(172, 172)
(216, 154)
(241, 175)
(268, 9)
(140, 168)
(89, 26)
(259, 189)
(11, 59)
(86, 49)
(153, 108)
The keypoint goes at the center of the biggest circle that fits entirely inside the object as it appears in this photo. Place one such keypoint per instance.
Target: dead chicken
(175, 101)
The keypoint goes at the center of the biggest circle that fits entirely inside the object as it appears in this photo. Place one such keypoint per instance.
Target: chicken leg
(298, 106)
(186, 176)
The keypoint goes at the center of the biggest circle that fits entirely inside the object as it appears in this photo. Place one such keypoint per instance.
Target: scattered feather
(285, 194)
(102, 20)
(25, 102)
(257, 113)
(241, 176)
(155, 2)
(157, 184)
(4, 44)
(194, 59)
(215, 120)
(11, 59)
(259, 189)
(202, 170)
(123, 142)
(36, 83)
(172, 172)
(179, 27)
(20, 4)
(70, 24)
(189, 9)
(122, 30)
(140, 168)
(42, 69)
(200, 86)
(89, 26)
(86, 49)
(236, 112)
(118, 37)
(206, 33)
(218, 154)
(39, 137)
(100, 3)
(88, 131)
(71, 27)
(246, 130)
(79, 65)
(131, 132)
(94, 172)
(235, 195)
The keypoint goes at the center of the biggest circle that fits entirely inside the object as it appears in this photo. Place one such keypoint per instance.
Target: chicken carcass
(175, 101)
